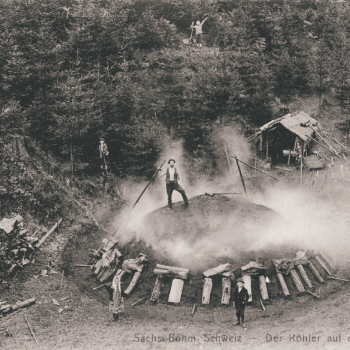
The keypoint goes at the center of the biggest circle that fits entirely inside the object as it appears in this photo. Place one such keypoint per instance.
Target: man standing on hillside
(240, 297)
(199, 32)
(172, 183)
(103, 149)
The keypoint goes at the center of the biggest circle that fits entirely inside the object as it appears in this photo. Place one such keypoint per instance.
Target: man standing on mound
(240, 297)
(172, 183)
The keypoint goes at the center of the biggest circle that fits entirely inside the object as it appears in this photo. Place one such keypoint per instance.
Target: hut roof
(292, 122)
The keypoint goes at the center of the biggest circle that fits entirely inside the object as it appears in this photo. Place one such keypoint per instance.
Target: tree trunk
(176, 291)
(263, 288)
(207, 287)
(23, 304)
(226, 291)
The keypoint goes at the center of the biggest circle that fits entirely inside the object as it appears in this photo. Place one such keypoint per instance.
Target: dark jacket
(240, 298)
(176, 176)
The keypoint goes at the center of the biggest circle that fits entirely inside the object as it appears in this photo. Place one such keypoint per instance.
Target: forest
(73, 70)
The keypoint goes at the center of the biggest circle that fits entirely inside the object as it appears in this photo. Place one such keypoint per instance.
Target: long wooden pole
(148, 185)
(322, 146)
(254, 168)
(240, 173)
(31, 331)
(324, 140)
(341, 144)
(42, 240)
(301, 163)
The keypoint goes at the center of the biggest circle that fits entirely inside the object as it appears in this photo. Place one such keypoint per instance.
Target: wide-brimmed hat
(240, 280)
(171, 160)
(102, 138)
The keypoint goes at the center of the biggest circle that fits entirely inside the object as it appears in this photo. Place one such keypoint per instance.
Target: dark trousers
(170, 187)
(240, 312)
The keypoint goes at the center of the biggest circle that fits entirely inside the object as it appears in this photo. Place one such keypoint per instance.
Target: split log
(43, 239)
(171, 273)
(176, 291)
(108, 273)
(318, 259)
(283, 284)
(304, 275)
(263, 288)
(135, 279)
(226, 291)
(216, 270)
(297, 281)
(156, 290)
(207, 287)
(172, 268)
(315, 272)
(325, 258)
(193, 309)
(248, 286)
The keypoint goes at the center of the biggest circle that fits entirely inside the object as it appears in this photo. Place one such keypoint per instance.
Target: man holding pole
(172, 183)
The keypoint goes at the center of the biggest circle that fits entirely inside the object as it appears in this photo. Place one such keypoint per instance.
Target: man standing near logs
(172, 183)
(240, 298)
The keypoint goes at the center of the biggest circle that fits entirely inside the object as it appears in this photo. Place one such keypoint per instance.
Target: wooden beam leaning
(304, 275)
(297, 281)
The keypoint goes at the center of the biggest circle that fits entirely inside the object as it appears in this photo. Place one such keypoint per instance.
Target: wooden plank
(263, 288)
(176, 291)
(248, 286)
(207, 287)
(226, 291)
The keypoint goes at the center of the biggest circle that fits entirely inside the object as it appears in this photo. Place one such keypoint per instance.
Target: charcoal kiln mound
(209, 232)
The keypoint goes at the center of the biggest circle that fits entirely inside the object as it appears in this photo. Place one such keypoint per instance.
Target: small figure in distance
(103, 149)
(172, 183)
(199, 32)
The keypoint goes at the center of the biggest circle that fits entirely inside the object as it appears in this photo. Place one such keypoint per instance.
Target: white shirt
(171, 173)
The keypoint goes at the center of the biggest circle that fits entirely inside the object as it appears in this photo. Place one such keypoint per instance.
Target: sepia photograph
(174, 174)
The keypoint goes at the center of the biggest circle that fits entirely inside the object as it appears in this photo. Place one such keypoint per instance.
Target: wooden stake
(193, 309)
(263, 288)
(237, 160)
(42, 240)
(156, 290)
(283, 284)
(289, 156)
(240, 173)
(139, 301)
(262, 305)
(31, 331)
(226, 291)
(316, 296)
(248, 286)
(338, 279)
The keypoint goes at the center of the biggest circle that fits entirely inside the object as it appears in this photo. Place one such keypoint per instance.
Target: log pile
(17, 246)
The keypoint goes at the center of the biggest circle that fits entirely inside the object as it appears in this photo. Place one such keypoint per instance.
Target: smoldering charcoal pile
(16, 245)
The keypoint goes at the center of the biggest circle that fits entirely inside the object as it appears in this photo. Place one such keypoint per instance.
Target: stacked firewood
(16, 246)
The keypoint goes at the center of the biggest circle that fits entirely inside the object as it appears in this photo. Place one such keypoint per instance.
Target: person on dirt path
(199, 32)
(103, 149)
(240, 298)
(172, 183)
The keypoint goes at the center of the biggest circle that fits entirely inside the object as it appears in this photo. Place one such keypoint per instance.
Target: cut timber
(283, 284)
(297, 281)
(262, 305)
(176, 291)
(171, 268)
(318, 259)
(207, 287)
(23, 304)
(315, 272)
(314, 295)
(193, 309)
(135, 279)
(248, 286)
(226, 291)
(263, 288)
(53, 228)
(216, 270)
(177, 274)
(325, 258)
(156, 290)
(304, 275)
